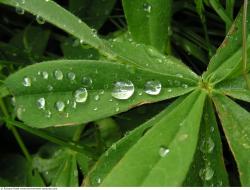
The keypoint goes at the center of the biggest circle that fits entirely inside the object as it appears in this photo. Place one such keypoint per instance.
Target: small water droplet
(179, 75)
(147, 7)
(101, 91)
(20, 10)
(117, 109)
(152, 87)
(123, 90)
(13, 101)
(170, 90)
(48, 114)
(45, 75)
(110, 100)
(26, 81)
(207, 146)
(74, 105)
(87, 82)
(206, 173)
(98, 180)
(71, 76)
(163, 151)
(40, 20)
(81, 95)
(184, 85)
(41, 103)
(60, 106)
(58, 74)
(97, 97)
(50, 87)
(95, 109)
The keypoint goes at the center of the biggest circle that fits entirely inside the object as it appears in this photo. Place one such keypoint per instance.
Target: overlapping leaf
(235, 121)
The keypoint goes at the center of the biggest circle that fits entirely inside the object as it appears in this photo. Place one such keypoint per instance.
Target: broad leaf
(236, 88)
(236, 125)
(117, 151)
(68, 92)
(176, 134)
(149, 21)
(228, 59)
(208, 168)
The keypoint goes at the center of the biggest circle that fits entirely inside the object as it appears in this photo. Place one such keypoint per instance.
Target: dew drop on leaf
(60, 106)
(152, 87)
(207, 145)
(48, 114)
(97, 97)
(45, 75)
(41, 103)
(87, 82)
(123, 90)
(13, 101)
(95, 109)
(50, 87)
(147, 7)
(81, 95)
(170, 90)
(58, 74)
(40, 20)
(26, 81)
(206, 173)
(71, 76)
(163, 151)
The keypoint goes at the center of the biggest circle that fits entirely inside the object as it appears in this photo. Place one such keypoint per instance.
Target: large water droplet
(81, 95)
(58, 74)
(71, 76)
(41, 103)
(207, 146)
(206, 173)
(60, 106)
(45, 75)
(26, 81)
(163, 151)
(153, 87)
(87, 82)
(40, 20)
(123, 90)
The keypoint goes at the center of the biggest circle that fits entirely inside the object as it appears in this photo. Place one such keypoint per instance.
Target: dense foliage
(124, 93)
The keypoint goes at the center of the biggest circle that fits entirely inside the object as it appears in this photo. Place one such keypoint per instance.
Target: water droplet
(81, 95)
(113, 146)
(58, 74)
(26, 81)
(48, 114)
(20, 111)
(206, 173)
(163, 151)
(20, 10)
(13, 101)
(170, 90)
(207, 145)
(101, 91)
(123, 90)
(60, 106)
(152, 87)
(87, 82)
(97, 97)
(184, 85)
(179, 75)
(117, 109)
(71, 76)
(74, 105)
(147, 7)
(41, 103)
(98, 180)
(50, 87)
(45, 75)
(40, 20)
(95, 109)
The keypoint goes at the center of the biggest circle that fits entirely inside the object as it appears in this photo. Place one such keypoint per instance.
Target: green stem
(221, 12)
(15, 132)
(45, 135)
(78, 132)
(244, 44)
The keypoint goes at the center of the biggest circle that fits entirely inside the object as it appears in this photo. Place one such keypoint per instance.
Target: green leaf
(149, 21)
(99, 77)
(208, 167)
(154, 61)
(93, 12)
(32, 39)
(236, 88)
(116, 152)
(67, 174)
(236, 125)
(176, 134)
(227, 62)
(58, 16)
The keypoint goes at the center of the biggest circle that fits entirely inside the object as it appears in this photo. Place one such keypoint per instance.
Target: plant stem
(56, 140)
(15, 132)
(78, 133)
(244, 44)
